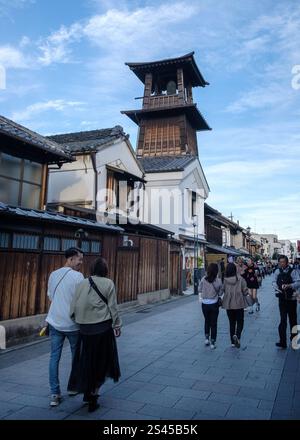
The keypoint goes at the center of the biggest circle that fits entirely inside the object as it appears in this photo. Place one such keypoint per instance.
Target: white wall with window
(20, 182)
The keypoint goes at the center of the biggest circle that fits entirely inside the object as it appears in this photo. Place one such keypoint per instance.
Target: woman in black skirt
(94, 308)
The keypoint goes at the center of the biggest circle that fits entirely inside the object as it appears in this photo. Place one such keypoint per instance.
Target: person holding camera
(288, 281)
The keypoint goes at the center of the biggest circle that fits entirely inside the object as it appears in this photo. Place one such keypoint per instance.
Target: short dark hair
(99, 268)
(230, 270)
(71, 252)
(283, 257)
(212, 272)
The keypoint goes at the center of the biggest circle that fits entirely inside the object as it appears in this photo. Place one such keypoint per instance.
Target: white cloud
(56, 48)
(11, 57)
(273, 95)
(36, 109)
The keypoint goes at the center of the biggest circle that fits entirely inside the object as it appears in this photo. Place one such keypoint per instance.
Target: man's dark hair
(230, 270)
(283, 257)
(71, 252)
(212, 272)
(99, 268)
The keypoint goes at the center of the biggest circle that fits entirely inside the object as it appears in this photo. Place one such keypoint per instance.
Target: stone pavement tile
(266, 404)
(162, 371)
(154, 398)
(217, 387)
(32, 401)
(83, 412)
(120, 404)
(136, 385)
(285, 391)
(143, 377)
(244, 383)
(6, 396)
(33, 390)
(233, 399)
(122, 391)
(178, 382)
(203, 416)
(257, 393)
(194, 374)
(185, 392)
(33, 413)
(166, 413)
(122, 415)
(220, 373)
(274, 378)
(7, 408)
(197, 405)
(240, 412)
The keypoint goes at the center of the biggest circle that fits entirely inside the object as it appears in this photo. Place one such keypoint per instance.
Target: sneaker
(236, 341)
(213, 345)
(55, 399)
(206, 342)
(258, 307)
(72, 393)
(250, 312)
(280, 345)
(233, 345)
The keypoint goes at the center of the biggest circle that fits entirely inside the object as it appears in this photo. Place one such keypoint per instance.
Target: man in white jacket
(61, 289)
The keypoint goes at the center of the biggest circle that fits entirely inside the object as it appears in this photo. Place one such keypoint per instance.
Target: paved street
(167, 373)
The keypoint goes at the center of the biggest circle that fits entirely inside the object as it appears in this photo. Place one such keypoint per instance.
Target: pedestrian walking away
(61, 289)
(287, 280)
(94, 309)
(210, 291)
(235, 291)
(251, 277)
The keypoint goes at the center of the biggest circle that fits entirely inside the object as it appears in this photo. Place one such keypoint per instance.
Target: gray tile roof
(159, 164)
(56, 217)
(11, 128)
(88, 140)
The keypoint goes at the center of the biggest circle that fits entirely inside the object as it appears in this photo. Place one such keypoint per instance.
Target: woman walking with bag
(251, 277)
(235, 291)
(210, 291)
(94, 308)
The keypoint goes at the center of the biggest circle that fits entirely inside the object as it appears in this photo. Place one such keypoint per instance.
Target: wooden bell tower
(169, 119)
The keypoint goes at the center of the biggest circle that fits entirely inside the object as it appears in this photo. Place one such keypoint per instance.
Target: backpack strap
(94, 286)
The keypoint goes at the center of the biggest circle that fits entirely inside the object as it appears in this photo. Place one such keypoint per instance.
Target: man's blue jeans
(57, 342)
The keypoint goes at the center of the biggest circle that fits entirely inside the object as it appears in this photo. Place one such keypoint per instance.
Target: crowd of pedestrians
(236, 288)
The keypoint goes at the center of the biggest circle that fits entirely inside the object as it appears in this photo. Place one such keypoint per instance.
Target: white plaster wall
(73, 182)
(181, 184)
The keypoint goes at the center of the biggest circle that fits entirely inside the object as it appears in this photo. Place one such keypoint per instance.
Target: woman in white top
(210, 291)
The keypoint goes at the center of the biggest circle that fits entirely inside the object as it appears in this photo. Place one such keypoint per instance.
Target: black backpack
(285, 278)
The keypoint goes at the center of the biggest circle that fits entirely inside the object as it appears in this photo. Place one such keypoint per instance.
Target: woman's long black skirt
(98, 360)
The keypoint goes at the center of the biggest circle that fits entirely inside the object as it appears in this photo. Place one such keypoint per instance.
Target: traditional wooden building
(106, 183)
(142, 260)
(220, 236)
(167, 150)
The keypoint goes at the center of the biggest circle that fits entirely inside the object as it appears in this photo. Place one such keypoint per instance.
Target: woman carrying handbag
(234, 300)
(210, 291)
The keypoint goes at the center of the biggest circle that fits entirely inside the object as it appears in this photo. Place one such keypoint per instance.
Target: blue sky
(65, 72)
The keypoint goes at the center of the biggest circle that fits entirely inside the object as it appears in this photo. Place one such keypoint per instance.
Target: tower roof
(195, 117)
(187, 62)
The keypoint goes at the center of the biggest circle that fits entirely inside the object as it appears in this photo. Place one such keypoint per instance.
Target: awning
(224, 250)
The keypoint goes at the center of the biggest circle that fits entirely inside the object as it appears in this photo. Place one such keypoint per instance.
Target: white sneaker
(213, 346)
(206, 342)
(55, 399)
(233, 345)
